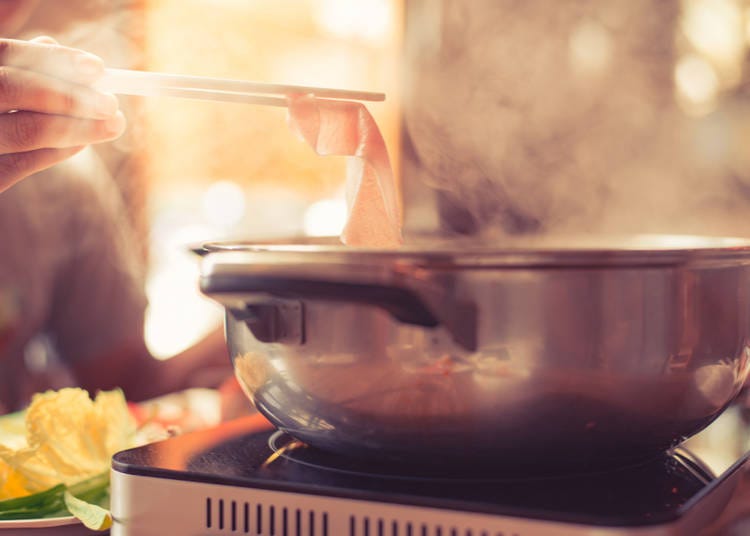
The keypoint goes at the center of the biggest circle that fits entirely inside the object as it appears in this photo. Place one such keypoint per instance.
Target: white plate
(58, 526)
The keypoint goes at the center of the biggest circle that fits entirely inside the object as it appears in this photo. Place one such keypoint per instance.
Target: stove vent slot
(258, 519)
(371, 526)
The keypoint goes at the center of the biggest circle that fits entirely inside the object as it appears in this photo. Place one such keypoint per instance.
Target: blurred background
(502, 117)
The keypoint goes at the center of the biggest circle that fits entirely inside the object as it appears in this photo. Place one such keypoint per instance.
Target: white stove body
(145, 506)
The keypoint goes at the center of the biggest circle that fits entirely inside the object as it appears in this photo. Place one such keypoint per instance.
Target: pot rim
(562, 250)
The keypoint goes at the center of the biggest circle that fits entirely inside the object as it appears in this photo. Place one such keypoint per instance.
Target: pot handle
(415, 306)
(403, 304)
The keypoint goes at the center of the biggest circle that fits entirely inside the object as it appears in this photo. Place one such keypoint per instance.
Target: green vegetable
(46, 503)
(91, 515)
(87, 500)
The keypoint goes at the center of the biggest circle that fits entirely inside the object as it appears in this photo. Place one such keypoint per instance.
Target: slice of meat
(346, 128)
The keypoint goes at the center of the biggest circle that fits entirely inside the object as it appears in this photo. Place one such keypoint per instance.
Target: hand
(48, 110)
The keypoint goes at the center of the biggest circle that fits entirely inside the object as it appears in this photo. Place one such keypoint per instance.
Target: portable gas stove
(245, 477)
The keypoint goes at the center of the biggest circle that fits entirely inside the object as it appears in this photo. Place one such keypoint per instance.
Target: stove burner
(295, 451)
(285, 446)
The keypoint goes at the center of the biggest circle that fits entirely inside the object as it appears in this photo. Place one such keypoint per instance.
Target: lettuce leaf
(58, 464)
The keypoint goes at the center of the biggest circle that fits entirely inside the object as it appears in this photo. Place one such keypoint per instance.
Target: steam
(528, 119)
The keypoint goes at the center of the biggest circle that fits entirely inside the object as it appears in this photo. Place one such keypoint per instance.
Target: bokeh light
(370, 20)
(715, 29)
(224, 203)
(325, 218)
(590, 48)
(697, 84)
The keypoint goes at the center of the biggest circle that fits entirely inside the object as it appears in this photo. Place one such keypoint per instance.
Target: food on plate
(60, 466)
(345, 128)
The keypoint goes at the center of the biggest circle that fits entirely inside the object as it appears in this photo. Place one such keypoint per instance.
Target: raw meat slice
(346, 128)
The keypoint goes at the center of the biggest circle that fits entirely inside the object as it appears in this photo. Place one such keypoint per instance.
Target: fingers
(41, 76)
(27, 131)
(28, 90)
(48, 110)
(14, 167)
(51, 59)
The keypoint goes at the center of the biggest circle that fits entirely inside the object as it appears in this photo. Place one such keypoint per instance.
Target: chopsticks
(151, 84)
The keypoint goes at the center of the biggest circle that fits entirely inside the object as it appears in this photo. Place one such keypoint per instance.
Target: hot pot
(547, 353)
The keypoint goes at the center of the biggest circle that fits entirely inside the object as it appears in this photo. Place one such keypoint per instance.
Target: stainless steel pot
(547, 354)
